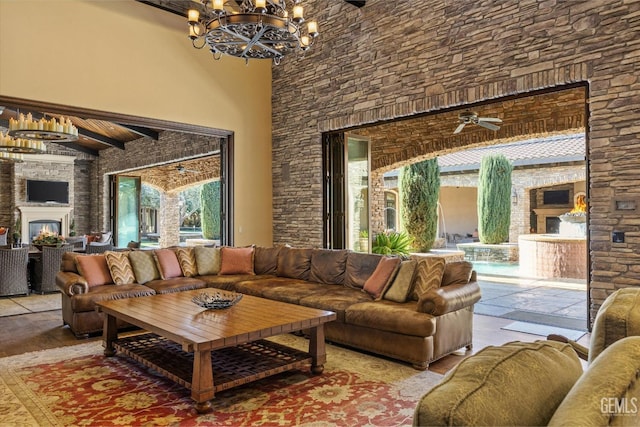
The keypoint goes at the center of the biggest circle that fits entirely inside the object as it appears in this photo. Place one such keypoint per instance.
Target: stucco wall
(125, 57)
(389, 60)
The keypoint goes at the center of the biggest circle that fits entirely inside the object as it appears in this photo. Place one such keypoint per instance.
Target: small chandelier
(251, 29)
(43, 130)
(6, 156)
(11, 145)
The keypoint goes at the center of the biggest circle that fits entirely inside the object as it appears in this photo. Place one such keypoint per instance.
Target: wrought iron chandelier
(251, 29)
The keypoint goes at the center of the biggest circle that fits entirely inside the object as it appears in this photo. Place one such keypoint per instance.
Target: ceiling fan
(182, 169)
(469, 117)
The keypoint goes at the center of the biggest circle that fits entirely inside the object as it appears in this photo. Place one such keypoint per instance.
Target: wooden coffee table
(212, 350)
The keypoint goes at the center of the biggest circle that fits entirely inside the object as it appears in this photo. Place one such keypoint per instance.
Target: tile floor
(561, 303)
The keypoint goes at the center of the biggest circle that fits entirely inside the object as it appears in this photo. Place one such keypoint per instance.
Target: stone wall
(390, 60)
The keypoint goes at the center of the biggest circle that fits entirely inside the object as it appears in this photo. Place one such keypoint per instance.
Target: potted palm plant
(392, 243)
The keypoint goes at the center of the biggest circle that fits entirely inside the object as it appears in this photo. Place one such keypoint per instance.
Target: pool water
(497, 268)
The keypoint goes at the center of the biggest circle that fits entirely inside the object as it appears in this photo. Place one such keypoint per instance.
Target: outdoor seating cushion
(516, 384)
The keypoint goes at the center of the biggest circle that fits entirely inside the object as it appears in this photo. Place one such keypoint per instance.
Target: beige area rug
(30, 304)
(79, 386)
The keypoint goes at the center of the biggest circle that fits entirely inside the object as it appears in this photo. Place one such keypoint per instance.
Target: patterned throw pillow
(382, 276)
(94, 269)
(120, 267)
(401, 285)
(187, 260)
(236, 260)
(207, 260)
(144, 266)
(168, 264)
(428, 276)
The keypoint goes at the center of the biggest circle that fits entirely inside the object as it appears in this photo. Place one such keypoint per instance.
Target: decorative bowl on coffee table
(216, 300)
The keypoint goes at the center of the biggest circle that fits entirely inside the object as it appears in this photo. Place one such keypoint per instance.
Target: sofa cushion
(144, 266)
(392, 317)
(87, 301)
(428, 276)
(207, 260)
(294, 263)
(457, 273)
(335, 298)
(228, 282)
(120, 267)
(176, 284)
(265, 260)
(288, 290)
(328, 266)
(94, 269)
(401, 286)
(382, 276)
(187, 260)
(518, 384)
(167, 262)
(359, 267)
(236, 260)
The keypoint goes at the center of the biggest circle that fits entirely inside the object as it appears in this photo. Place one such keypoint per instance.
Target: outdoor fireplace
(35, 227)
(34, 217)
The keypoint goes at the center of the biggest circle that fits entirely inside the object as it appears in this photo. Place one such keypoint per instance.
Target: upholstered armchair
(617, 318)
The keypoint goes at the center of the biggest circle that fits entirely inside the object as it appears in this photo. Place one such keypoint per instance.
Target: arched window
(391, 210)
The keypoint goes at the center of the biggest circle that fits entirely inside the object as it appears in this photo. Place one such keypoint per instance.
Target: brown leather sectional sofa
(419, 330)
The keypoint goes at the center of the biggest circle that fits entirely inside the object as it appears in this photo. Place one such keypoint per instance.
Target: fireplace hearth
(34, 217)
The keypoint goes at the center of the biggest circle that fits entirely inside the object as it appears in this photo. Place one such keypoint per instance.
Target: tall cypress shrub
(210, 205)
(420, 187)
(494, 199)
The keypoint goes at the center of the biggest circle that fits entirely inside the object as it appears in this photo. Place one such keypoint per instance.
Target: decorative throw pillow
(236, 260)
(94, 269)
(120, 267)
(457, 273)
(144, 266)
(207, 260)
(401, 285)
(382, 276)
(168, 264)
(428, 276)
(187, 260)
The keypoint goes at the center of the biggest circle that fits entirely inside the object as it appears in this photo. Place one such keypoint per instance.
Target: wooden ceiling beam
(356, 3)
(142, 131)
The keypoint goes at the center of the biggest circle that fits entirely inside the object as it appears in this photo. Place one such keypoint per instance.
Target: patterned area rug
(78, 386)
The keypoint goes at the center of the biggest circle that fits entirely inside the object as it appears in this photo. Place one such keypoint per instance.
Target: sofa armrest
(71, 283)
(449, 298)
(581, 351)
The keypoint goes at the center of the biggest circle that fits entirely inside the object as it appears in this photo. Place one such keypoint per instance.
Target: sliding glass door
(127, 209)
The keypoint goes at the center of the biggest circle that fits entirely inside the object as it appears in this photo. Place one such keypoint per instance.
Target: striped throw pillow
(120, 267)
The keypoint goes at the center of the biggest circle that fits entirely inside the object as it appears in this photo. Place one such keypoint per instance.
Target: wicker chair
(13, 271)
(98, 248)
(47, 267)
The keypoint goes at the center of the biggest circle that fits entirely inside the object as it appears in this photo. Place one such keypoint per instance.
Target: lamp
(43, 130)
(251, 29)
(514, 197)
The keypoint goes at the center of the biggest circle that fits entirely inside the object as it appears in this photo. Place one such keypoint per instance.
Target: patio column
(169, 219)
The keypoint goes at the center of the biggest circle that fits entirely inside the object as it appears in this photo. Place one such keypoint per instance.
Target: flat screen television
(47, 191)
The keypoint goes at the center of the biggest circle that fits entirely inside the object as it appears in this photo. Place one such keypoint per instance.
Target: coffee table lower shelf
(232, 366)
